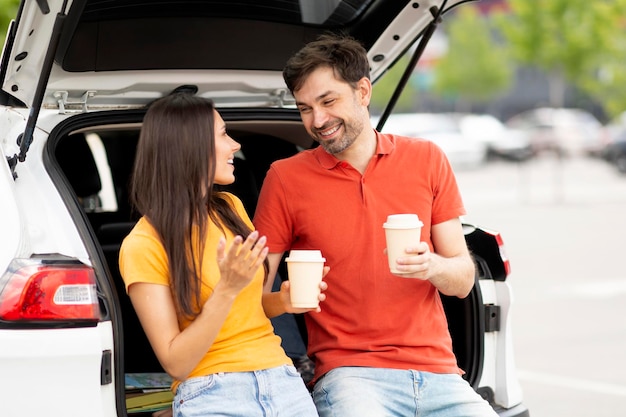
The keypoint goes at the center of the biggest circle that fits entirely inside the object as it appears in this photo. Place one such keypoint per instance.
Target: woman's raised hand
(239, 263)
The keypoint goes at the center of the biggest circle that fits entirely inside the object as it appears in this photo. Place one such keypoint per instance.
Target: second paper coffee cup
(401, 231)
(305, 269)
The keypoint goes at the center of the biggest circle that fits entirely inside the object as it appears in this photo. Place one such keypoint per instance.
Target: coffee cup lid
(402, 221)
(305, 256)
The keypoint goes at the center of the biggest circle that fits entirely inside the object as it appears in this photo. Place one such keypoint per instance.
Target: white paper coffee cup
(401, 231)
(305, 269)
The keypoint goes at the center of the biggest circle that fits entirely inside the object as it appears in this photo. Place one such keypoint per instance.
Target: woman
(195, 282)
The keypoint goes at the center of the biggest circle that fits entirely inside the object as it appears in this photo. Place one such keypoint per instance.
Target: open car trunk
(93, 154)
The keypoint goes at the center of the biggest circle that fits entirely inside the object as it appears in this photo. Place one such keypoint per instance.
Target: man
(380, 342)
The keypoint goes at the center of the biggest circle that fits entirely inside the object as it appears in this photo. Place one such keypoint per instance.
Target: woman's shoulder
(234, 201)
(143, 233)
(230, 198)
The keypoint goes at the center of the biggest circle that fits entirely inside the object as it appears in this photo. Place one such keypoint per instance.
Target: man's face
(332, 111)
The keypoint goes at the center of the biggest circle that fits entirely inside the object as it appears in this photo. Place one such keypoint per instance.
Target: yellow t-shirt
(246, 341)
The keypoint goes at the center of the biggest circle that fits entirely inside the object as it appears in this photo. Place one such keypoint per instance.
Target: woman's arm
(180, 351)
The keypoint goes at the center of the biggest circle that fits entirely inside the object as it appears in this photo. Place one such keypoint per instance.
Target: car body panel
(57, 366)
(51, 361)
(10, 221)
(47, 224)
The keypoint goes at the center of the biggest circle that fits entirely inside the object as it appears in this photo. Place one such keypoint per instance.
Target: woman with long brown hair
(193, 268)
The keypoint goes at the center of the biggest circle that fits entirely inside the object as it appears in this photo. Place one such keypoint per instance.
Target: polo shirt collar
(384, 145)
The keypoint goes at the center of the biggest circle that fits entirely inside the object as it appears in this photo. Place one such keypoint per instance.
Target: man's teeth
(330, 132)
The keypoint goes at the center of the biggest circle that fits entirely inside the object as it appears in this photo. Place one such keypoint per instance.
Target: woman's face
(225, 148)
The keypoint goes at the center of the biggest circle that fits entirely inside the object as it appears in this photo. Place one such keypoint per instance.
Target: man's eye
(329, 102)
(304, 109)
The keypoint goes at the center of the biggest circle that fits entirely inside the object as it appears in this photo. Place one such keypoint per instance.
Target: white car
(566, 131)
(443, 129)
(76, 76)
(501, 141)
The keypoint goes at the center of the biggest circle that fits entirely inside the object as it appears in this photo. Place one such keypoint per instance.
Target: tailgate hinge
(492, 318)
(64, 101)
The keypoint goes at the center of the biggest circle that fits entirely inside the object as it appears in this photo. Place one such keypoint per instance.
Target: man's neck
(361, 151)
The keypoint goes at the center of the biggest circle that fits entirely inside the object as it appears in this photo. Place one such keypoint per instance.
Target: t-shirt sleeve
(447, 200)
(143, 259)
(272, 217)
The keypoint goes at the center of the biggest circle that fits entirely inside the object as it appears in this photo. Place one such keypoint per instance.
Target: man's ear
(364, 90)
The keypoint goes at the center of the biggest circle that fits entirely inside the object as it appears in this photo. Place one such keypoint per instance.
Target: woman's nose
(235, 145)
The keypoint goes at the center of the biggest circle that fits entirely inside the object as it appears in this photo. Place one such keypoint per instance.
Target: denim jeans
(275, 392)
(376, 392)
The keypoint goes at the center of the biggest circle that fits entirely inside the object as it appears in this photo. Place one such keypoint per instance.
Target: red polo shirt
(370, 317)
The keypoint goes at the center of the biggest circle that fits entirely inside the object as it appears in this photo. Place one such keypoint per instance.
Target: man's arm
(272, 303)
(450, 268)
(279, 302)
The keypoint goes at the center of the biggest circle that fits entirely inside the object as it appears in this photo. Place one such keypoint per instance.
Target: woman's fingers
(251, 252)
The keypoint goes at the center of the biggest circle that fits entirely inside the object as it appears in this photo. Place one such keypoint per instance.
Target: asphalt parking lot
(564, 228)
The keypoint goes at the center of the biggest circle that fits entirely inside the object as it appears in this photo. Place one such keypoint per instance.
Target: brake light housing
(49, 291)
(505, 259)
(487, 246)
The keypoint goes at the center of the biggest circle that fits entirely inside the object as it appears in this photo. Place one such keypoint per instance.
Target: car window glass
(320, 12)
(108, 202)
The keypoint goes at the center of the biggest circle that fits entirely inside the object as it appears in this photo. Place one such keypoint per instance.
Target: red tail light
(36, 291)
(503, 255)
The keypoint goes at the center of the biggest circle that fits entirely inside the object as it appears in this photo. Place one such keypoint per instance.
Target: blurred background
(528, 100)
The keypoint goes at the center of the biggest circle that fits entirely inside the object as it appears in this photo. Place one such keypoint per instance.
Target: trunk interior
(95, 153)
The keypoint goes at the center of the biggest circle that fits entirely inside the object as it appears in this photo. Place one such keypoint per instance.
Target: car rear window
(319, 12)
(118, 35)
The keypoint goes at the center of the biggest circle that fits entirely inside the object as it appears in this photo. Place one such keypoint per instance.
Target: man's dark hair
(344, 54)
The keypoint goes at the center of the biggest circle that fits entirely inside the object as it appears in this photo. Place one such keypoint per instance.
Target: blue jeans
(376, 392)
(275, 392)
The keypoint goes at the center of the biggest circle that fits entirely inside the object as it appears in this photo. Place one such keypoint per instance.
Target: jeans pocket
(291, 370)
(194, 387)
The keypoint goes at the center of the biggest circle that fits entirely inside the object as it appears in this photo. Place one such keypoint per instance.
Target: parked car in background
(565, 131)
(501, 141)
(76, 77)
(462, 151)
(614, 150)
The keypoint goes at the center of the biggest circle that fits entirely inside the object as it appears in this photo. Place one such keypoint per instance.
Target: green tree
(569, 39)
(605, 78)
(476, 68)
(8, 10)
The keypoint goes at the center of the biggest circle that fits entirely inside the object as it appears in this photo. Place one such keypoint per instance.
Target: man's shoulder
(303, 157)
(403, 143)
(403, 140)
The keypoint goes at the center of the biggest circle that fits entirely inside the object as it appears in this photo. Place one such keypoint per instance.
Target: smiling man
(380, 343)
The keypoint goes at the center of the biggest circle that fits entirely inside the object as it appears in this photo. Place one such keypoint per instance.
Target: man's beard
(350, 133)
